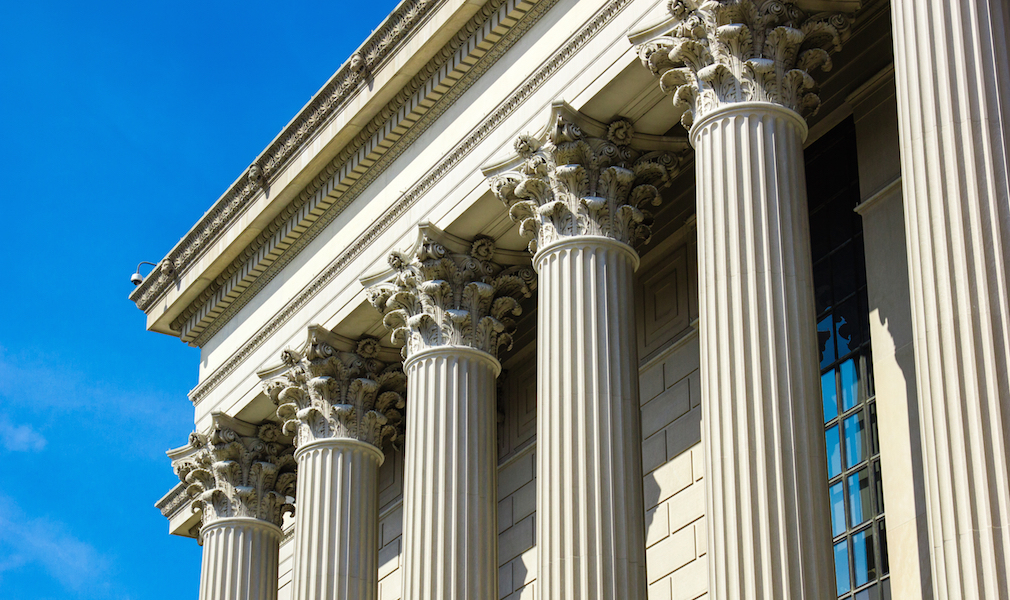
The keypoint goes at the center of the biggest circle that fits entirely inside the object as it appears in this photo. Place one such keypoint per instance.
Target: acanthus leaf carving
(573, 183)
(451, 297)
(329, 393)
(730, 51)
(238, 470)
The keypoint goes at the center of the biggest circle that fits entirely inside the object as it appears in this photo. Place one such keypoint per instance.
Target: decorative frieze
(238, 470)
(722, 52)
(442, 294)
(330, 393)
(582, 177)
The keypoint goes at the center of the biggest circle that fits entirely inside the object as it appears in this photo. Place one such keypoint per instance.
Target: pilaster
(953, 88)
(451, 306)
(742, 70)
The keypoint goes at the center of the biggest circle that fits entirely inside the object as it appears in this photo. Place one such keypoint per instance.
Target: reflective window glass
(825, 338)
(884, 566)
(834, 451)
(847, 394)
(847, 331)
(837, 497)
(842, 567)
(879, 485)
(854, 438)
(850, 384)
(863, 560)
(844, 281)
(871, 430)
(829, 393)
(860, 508)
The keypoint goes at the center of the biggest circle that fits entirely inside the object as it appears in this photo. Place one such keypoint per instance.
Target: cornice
(213, 307)
(409, 198)
(351, 77)
(174, 501)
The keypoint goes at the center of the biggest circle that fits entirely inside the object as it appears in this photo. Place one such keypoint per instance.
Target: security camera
(137, 278)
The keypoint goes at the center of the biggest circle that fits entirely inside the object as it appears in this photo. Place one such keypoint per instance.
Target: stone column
(953, 84)
(340, 406)
(582, 194)
(240, 477)
(741, 71)
(451, 307)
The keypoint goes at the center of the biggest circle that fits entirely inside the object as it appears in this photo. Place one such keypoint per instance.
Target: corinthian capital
(719, 52)
(583, 177)
(238, 470)
(328, 393)
(450, 292)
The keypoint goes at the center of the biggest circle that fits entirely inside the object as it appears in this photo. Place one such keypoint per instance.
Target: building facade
(599, 299)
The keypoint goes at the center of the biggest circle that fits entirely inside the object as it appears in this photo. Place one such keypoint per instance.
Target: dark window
(847, 396)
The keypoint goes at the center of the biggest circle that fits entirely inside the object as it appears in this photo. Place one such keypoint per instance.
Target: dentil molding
(719, 52)
(449, 292)
(327, 393)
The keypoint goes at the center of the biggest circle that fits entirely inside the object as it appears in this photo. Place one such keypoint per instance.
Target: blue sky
(123, 123)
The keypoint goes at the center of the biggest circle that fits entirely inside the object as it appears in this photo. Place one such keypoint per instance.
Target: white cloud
(45, 543)
(20, 438)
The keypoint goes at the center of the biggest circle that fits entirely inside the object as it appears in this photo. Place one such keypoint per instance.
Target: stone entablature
(418, 192)
(238, 470)
(329, 393)
(183, 297)
(721, 52)
(349, 79)
(583, 177)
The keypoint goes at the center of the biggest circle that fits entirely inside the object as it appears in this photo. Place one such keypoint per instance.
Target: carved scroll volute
(238, 470)
(328, 393)
(439, 296)
(571, 182)
(729, 51)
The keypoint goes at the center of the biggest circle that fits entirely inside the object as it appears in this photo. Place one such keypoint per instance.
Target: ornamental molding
(174, 501)
(351, 77)
(329, 393)
(261, 260)
(715, 53)
(400, 207)
(579, 176)
(238, 470)
(446, 291)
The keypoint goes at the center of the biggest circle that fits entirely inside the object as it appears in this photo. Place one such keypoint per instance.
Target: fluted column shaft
(240, 560)
(450, 495)
(590, 517)
(337, 523)
(953, 84)
(769, 535)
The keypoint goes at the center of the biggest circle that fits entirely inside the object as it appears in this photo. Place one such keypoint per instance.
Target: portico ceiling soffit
(512, 158)
(192, 286)
(318, 333)
(428, 232)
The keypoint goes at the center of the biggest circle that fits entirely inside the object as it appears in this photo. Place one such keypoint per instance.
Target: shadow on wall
(672, 462)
